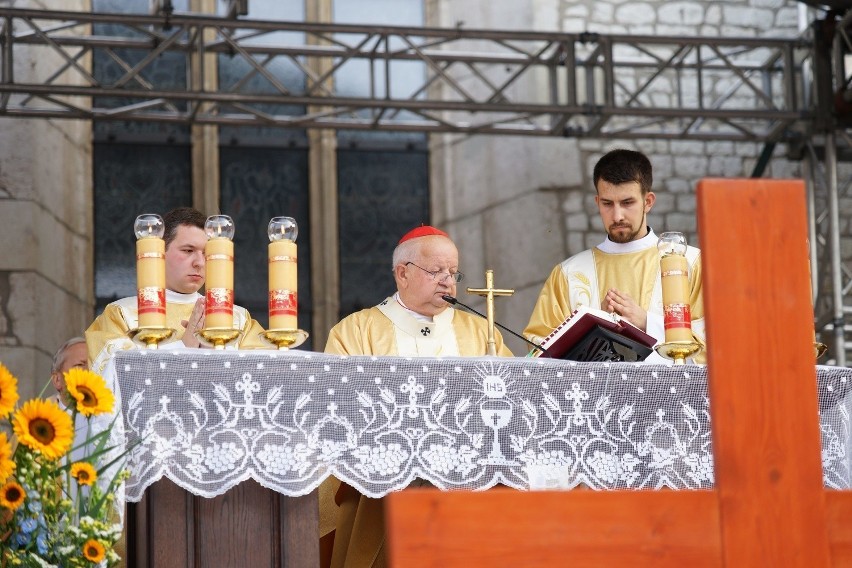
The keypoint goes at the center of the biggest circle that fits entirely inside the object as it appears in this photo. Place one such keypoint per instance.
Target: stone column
(46, 268)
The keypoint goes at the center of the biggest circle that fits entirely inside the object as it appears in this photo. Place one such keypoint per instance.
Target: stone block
(844, 206)
(573, 200)
(574, 25)
(42, 314)
(681, 13)
(677, 185)
(497, 169)
(729, 30)
(591, 145)
(787, 17)
(521, 238)
(593, 240)
(663, 166)
(47, 246)
(576, 242)
(544, 14)
(577, 222)
(683, 222)
(576, 11)
(747, 149)
(654, 219)
(468, 235)
(665, 203)
(674, 30)
(644, 29)
(515, 312)
(749, 15)
(690, 166)
(713, 14)
(635, 14)
(784, 169)
(30, 366)
(725, 166)
(661, 147)
(688, 147)
(686, 202)
(602, 12)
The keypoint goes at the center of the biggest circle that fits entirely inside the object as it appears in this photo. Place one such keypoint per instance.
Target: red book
(584, 325)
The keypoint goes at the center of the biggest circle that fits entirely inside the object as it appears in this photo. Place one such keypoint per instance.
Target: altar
(212, 421)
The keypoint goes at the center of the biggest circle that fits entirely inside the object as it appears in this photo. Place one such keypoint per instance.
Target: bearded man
(622, 274)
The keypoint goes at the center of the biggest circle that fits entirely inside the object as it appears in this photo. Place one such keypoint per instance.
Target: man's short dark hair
(623, 166)
(181, 216)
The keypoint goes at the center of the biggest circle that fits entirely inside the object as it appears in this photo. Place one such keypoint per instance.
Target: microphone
(454, 301)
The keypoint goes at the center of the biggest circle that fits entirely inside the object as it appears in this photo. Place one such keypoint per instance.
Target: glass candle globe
(149, 225)
(219, 227)
(282, 228)
(672, 242)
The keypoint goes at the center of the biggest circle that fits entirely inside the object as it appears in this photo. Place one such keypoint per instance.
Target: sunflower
(90, 391)
(93, 551)
(12, 495)
(84, 473)
(7, 466)
(42, 426)
(8, 391)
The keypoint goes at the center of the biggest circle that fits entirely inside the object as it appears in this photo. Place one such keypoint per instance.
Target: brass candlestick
(678, 351)
(285, 338)
(151, 337)
(218, 337)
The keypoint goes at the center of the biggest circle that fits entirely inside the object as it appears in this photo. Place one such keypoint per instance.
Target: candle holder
(151, 337)
(679, 351)
(217, 337)
(285, 339)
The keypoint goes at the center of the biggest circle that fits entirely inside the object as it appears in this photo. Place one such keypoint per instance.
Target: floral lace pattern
(208, 420)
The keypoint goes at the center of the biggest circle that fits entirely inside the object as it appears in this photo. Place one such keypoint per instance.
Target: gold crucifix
(489, 292)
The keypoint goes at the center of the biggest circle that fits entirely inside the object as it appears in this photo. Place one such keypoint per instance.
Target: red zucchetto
(422, 231)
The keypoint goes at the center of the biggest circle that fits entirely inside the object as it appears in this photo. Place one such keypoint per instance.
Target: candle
(150, 271)
(283, 274)
(674, 276)
(219, 256)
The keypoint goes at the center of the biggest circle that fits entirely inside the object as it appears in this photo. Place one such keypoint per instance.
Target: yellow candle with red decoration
(283, 273)
(674, 276)
(219, 257)
(150, 271)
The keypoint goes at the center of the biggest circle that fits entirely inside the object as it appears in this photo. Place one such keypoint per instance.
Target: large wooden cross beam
(768, 508)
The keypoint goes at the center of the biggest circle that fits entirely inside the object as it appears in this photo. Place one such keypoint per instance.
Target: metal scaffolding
(359, 77)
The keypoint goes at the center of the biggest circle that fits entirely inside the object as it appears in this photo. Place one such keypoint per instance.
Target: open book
(590, 334)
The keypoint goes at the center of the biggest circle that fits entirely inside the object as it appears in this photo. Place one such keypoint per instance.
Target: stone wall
(46, 229)
(521, 206)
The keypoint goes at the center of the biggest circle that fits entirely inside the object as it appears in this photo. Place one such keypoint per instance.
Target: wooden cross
(769, 506)
(489, 292)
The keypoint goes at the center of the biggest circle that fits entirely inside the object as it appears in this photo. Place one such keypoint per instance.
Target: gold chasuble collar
(421, 338)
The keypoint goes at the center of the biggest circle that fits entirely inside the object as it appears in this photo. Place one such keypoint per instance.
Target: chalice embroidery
(496, 410)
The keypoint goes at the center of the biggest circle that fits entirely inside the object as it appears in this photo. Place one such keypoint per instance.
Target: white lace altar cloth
(208, 420)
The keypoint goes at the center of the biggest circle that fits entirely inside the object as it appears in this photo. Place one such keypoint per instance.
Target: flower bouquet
(57, 497)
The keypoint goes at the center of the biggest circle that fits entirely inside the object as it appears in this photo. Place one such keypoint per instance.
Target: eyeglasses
(439, 276)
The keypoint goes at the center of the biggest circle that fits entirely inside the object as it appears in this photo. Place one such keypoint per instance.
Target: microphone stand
(454, 301)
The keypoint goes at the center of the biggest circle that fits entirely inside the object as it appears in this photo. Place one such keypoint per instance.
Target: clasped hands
(194, 324)
(623, 305)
